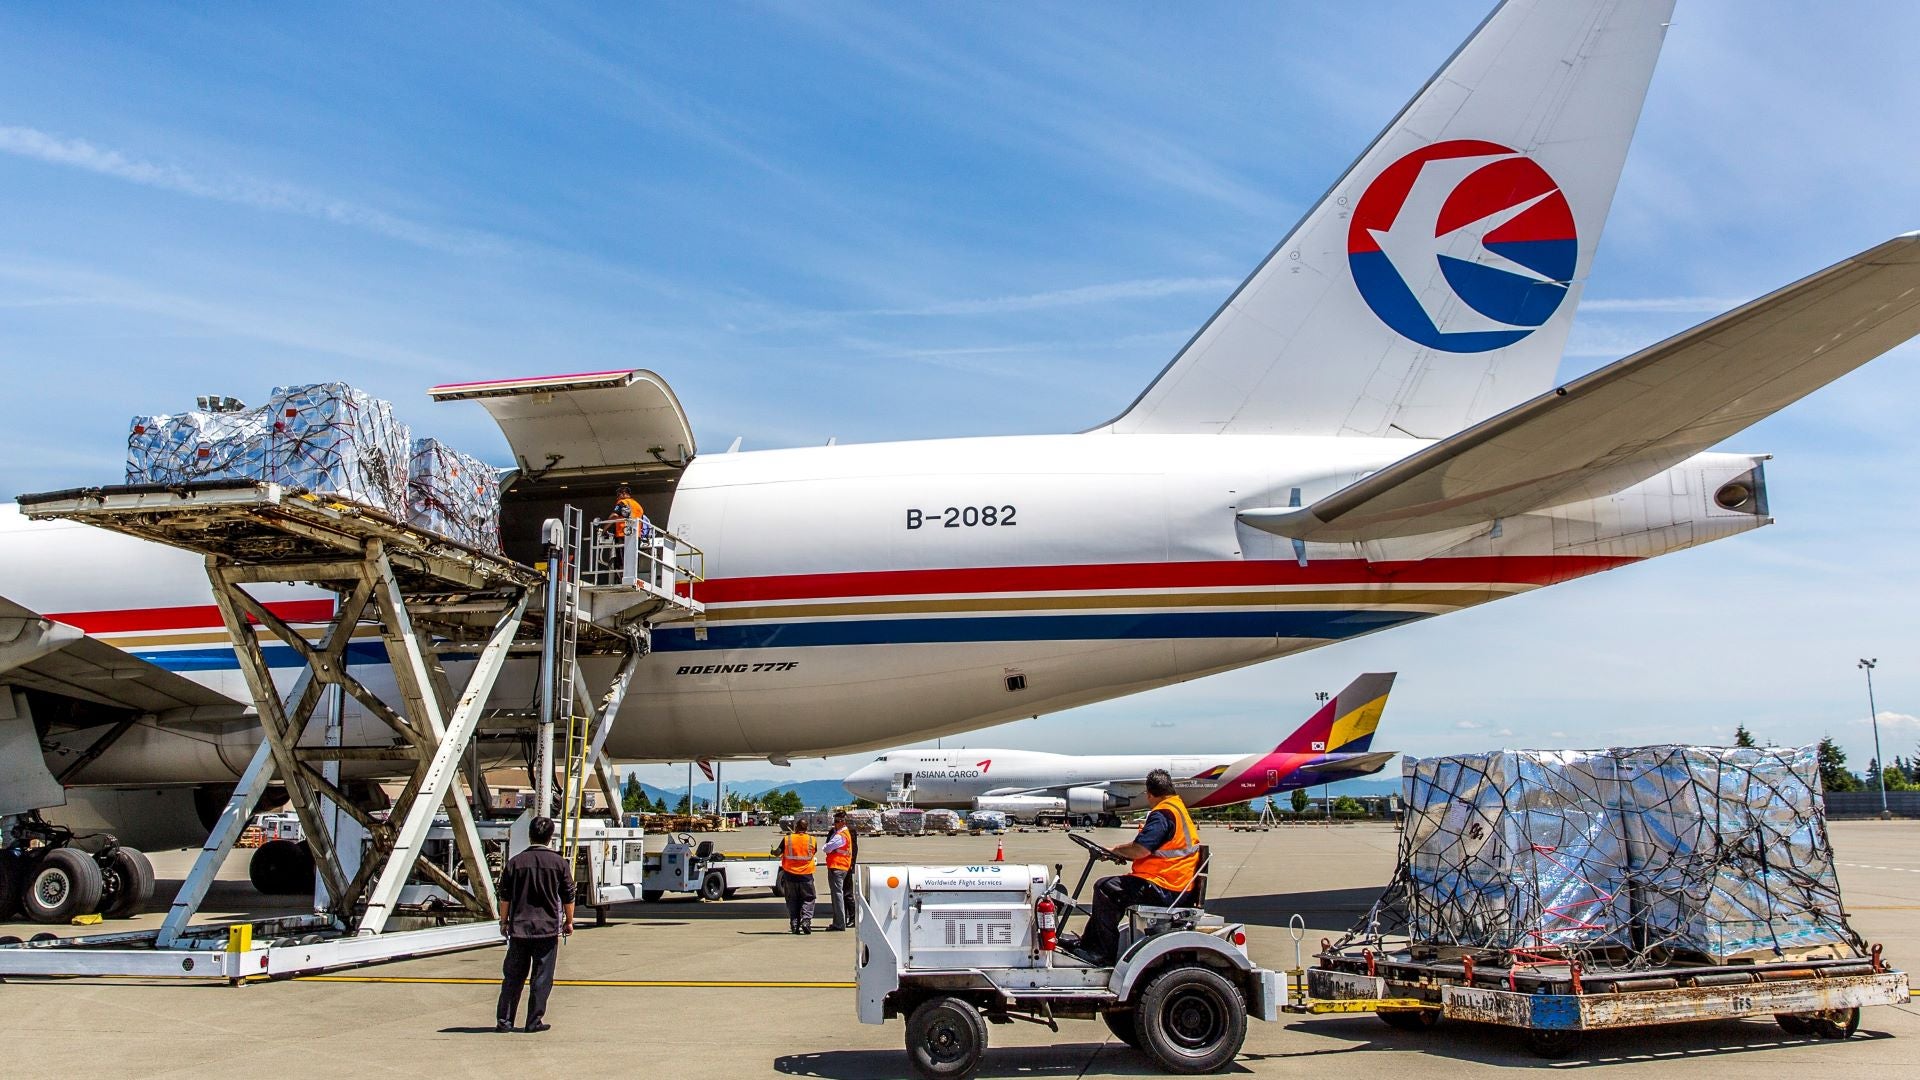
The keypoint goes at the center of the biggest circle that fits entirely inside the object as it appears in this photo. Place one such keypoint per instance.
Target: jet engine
(1091, 800)
(1025, 808)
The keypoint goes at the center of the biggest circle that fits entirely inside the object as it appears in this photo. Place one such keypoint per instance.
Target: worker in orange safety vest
(626, 508)
(1165, 856)
(797, 851)
(841, 850)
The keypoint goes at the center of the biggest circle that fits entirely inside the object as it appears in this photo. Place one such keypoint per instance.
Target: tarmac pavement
(434, 1016)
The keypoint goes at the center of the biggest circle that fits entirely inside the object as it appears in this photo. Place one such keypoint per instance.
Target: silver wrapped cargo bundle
(1631, 855)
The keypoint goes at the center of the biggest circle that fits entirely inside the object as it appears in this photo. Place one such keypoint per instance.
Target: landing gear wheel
(1409, 1019)
(1124, 1025)
(131, 876)
(64, 883)
(282, 868)
(1552, 1042)
(649, 896)
(946, 1037)
(1191, 1020)
(1835, 1023)
(713, 887)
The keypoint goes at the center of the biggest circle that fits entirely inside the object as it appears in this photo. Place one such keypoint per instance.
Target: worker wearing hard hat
(840, 849)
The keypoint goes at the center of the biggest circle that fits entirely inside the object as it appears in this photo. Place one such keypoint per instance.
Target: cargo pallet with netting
(1565, 891)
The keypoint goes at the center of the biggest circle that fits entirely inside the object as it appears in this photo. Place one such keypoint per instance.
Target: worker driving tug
(1166, 857)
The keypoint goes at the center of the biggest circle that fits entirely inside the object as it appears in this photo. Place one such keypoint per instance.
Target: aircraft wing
(1637, 417)
(38, 653)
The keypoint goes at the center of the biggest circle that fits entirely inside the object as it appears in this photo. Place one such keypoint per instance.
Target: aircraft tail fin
(1346, 723)
(1434, 285)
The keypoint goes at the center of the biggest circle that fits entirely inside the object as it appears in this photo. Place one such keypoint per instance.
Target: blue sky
(878, 222)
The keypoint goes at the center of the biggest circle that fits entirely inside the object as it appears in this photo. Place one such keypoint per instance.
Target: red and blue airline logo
(1468, 220)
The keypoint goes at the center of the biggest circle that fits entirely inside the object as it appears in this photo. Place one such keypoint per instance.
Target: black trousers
(800, 894)
(1111, 899)
(523, 955)
(840, 887)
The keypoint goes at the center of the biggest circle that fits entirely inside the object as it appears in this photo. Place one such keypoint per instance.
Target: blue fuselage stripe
(1330, 625)
(1326, 625)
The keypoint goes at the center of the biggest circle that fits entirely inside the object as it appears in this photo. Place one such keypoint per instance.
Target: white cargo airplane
(1336, 743)
(1365, 434)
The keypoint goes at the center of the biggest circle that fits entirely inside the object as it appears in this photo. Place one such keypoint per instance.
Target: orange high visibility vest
(842, 857)
(796, 854)
(1173, 865)
(634, 513)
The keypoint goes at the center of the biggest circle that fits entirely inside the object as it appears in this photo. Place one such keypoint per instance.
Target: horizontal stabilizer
(1338, 767)
(1637, 417)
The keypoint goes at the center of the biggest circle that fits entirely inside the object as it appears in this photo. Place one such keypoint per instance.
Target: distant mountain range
(814, 794)
(821, 794)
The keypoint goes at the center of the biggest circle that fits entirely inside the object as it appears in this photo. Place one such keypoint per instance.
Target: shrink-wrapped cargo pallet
(183, 448)
(1511, 851)
(453, 494)
(1631, 856)
(336, 440)
(1728, 851)
(331, 439)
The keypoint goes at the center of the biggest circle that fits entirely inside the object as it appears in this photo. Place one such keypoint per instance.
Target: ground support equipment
(1553, 1003)
(428, 597)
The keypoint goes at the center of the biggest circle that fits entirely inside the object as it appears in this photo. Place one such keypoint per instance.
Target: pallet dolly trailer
(1553, 1003)
(428, 597)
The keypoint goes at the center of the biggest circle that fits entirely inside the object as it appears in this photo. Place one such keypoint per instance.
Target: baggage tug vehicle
(953, 947)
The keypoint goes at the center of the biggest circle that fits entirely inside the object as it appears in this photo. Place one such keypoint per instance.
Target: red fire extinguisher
(1047, 930)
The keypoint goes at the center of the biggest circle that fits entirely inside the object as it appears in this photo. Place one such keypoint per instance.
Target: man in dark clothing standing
(536, 908)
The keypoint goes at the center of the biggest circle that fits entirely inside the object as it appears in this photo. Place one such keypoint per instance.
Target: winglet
(1347, 722)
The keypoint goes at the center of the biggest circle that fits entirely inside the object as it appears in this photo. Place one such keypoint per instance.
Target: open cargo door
(584, 424)
(574, 437)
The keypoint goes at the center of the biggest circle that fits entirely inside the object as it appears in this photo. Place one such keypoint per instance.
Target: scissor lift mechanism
(428, 595)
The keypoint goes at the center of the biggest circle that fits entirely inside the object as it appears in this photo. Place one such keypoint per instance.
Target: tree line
(1902, 774)
(634, 800)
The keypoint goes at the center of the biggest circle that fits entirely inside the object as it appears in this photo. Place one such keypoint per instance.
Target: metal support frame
(414, 586)
(430, 736)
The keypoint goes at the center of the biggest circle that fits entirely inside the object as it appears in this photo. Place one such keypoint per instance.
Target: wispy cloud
(1110, 292)
(1468, 725)
(304, 330)
(1687, 305)
(271, 196)
(1895, 720)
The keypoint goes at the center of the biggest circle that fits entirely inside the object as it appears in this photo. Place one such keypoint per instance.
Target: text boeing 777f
(1336, 743)
(1366, 434)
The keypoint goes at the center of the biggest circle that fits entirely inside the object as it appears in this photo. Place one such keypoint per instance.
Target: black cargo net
(1630, 858)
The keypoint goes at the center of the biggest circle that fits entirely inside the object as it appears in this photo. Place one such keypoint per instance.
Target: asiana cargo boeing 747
(1366, 434)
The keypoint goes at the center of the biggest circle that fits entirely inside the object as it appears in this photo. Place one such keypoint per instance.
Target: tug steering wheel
(1095, 852)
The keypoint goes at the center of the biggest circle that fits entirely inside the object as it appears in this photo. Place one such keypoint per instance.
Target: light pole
(1873, 714)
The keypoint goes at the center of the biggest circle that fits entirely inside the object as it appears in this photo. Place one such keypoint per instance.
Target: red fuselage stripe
(185, 618)
(1507, 569)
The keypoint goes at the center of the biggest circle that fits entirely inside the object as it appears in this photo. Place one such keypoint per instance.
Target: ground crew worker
(626, 508)
(841, 850)
(796, 851)
(536, 908)
(1166, 856)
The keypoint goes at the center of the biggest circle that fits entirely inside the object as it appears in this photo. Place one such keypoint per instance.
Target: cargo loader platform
(432, 601)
